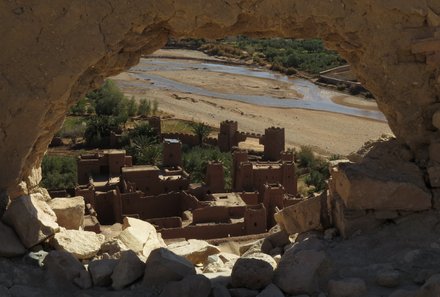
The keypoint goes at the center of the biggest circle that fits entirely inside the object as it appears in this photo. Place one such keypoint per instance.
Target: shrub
(201, 130)
(132, 107)
(144, 107)
(109, 101)
(99, 128)
(196, 159)
(58, 172)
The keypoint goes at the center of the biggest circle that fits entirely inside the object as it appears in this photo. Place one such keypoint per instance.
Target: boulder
(400, 187)
(190, 286)
(63, 267)
(10, 244)
(271, 291)
(349, 287)
(84, 281)
(431, 288)
(275, 240)
(81, 244)
(163, 266)
(297, 271)
(301, 217)
(404, 293)
(113, 246)
(4, 292)
(32, 219)
(253, 272)
(195, 251)
(140, 236)
(101, 271)
(69, 211)
(388, 278)
(220, 291)
(242, 292)
(128, 270)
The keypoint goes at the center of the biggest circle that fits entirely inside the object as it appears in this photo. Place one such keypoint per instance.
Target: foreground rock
(10, 245)
(190, 286)
(101, 271)
(69, 211)
(253, 272)
(128, 270)
(301, 217)
(195, 251)
(163, 266)
(297, 272)
(32, 219)
(81, 244)
(140, 236)
(351, 287)
(271, 291)
(63, 268)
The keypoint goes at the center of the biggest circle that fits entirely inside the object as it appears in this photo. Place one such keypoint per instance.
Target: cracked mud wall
(53, 52)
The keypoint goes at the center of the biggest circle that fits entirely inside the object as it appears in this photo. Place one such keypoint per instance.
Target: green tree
(99, 128)
(201, 130)
(109, 101)
(132, 107)
(58, 172)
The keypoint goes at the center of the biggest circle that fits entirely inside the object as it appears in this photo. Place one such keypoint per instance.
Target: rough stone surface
(40, 83)
(128, 270)
(195, 251)
(297, 272)
(398, 187)
(253, 272)
(163, 266)
(140, 236)
(351, 287)
(10, 245)
(300, 217)
(271, 291)
(190, 286)
(242, 292)
(62, 265)
(220, 291)
(32, 219)
(388, 278)
(69, 211)
(431, 288)
(101, 271)
(81, 244)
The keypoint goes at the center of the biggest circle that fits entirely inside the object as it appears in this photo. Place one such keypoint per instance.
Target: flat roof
(138, 168)
(228, 199)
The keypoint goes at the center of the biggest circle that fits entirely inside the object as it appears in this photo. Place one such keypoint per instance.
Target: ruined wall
(53, 52)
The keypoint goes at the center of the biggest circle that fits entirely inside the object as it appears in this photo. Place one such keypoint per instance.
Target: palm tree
(201, 130)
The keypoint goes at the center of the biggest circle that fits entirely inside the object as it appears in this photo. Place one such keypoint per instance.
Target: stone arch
(53, 52)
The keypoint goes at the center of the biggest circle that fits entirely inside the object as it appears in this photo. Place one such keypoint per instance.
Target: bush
(201, 130)
(132, 107)
(196, 160)
(79, 108)
(99, 128)
(59, 172)
(110, 101)
(144, 151)
(144, 107)
(317, 168)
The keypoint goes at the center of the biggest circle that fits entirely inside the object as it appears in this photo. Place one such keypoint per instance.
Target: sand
(328, 133)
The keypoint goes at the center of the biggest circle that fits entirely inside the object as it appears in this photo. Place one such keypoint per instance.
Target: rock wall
(53, 52)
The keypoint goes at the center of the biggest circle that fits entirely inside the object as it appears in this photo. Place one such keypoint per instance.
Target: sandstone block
(274, 240)
(301, 217)
(190, 286)
(431, 287)
(128, 270)
(350, 287)
(253, 272)
(32, 219)
(367, 187)
(10, 244)
(436, 116)
(81, 244)
(271, 291)
(101, 272)
(69, 211)
(140, 236)
(195, 251)
(434, 152)
(163, 266)
(297, 272)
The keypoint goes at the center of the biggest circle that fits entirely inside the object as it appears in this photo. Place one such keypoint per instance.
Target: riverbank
(326, 132)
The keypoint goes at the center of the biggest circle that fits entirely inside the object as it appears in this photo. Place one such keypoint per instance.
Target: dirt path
(327, 133)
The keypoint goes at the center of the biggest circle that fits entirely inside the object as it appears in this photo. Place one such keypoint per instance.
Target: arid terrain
(326, 132)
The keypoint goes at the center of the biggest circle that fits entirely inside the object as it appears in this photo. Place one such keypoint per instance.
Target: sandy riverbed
(327, 132)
